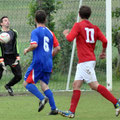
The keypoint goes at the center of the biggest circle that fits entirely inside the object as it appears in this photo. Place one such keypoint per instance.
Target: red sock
(106, 94)
(74, 100)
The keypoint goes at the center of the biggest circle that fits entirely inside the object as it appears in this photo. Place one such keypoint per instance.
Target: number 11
(90, 32)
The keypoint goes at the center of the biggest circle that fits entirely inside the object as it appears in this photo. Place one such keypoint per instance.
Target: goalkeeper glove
(16, 61)
(2, 63)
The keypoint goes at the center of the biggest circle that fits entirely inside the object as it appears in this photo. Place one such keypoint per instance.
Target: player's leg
(44, 86)
(74, 99)
(106, 94)
(1, 71)
(76, 88)
(17, 77)
(103, 90)
(76, 91)
(76, 95)
(16, 70)
(35, 91)
(29, 84)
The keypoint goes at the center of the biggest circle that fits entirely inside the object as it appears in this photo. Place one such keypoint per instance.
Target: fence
(66, 15)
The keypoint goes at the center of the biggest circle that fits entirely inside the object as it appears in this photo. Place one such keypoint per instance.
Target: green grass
(91, 107)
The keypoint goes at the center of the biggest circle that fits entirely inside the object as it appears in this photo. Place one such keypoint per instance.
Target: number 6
(46, 45)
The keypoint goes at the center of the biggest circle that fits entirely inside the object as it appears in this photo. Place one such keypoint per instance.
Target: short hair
(40, 16)
(85, 12)
(1, 19)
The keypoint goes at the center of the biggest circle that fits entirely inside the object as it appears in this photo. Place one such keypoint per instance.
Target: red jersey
(86, 35)
(55, 41)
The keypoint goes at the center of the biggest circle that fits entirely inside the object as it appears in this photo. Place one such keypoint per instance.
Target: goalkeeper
(9, 55)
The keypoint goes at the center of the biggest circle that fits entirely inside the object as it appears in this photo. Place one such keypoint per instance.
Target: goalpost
(108, 52)
(109, 47)
(72, 55)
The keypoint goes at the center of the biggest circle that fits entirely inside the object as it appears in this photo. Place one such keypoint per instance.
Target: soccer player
(42, 43)
(86, 35)
(9, 55)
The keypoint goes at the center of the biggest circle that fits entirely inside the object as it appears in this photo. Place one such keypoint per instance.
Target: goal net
(68, 51)
(65, 16)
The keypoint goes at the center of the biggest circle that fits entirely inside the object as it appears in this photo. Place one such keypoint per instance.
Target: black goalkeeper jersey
(11, 46)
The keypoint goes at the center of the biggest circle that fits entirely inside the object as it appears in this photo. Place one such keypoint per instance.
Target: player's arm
(16, 42)
(2, 64)
(66, 32)
(33, 42)
(1, 51)
(55, 50)
(16, 45)
(30, 48)
(103, 54)
(1, 56)
(103, 39)
(72, 34)
(56, 46)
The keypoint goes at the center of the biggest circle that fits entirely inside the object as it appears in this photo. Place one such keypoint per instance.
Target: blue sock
(34, 90)
(49, 94)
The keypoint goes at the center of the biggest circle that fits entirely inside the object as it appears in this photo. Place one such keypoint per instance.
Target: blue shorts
(33, 76)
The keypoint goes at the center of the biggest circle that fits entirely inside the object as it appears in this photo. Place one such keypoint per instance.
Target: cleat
(68, 114)
(9, 89)
(117, 108)
(42, 104)
(54, 112)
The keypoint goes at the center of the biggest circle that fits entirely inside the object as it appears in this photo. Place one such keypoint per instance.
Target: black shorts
(9, 59)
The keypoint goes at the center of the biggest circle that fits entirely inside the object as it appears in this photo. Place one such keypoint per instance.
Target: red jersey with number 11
(86, 35)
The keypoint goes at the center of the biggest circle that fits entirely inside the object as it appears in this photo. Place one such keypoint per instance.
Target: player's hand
(18, 58)
(16, 61)
(66, 32)
(25, 51)
(102, 55)
(1, 60)
(2, 63)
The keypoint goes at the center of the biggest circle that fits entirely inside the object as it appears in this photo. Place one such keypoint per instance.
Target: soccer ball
(4, 37)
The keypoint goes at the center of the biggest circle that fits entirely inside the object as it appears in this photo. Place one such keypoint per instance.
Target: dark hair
(85, 12)
(1, 20)
(40, 16)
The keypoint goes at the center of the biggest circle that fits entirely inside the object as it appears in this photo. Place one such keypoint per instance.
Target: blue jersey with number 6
(42, 55)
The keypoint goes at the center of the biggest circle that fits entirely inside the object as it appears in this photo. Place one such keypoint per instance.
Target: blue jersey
(42, 55)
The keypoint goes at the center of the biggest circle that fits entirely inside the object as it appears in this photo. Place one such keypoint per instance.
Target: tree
(49, 6)
(116, 35)
(66, 47)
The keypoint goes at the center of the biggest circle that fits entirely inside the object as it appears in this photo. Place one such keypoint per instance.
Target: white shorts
(85, 71)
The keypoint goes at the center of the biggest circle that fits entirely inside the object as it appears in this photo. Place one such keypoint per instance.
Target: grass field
(24, 107)
(91, 107)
